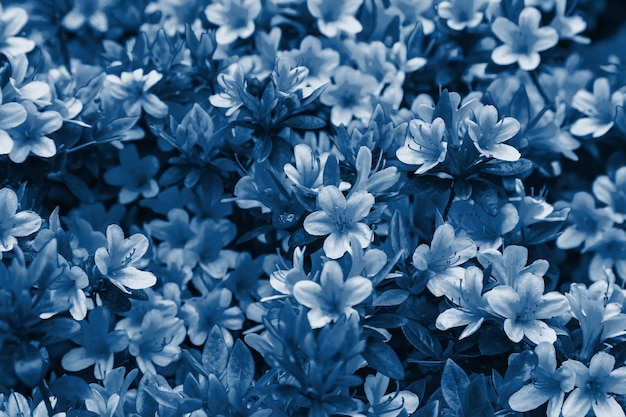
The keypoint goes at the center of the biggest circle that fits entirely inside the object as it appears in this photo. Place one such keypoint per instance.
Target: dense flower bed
(312, 208)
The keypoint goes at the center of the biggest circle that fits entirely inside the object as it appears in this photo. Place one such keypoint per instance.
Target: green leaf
(423, 339)
(454, 388)
(215, 352)
(304, 122)
(486, 196)
(381, 357)
(30, 364)
(239, 372)
(507, 168)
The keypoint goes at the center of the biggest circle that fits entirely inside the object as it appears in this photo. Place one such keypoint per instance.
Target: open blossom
(134, 175)
(87, 12)
(522, 41)
(425, 146)
(350, 95)
(525, 306)
(321, 62)
(12, 20)
(332, 297)
(599, 107)
(132, 89)
(335, 17)
(32, 135)
(13, 223)
(117, 262)
(233, 84)
(461, 14)
(488, 134)
(442, 259)
(235, 18)
(548, 384)
(470, 308)
(612, 192)
(340, 219)
(569, 27)
(394, 404)
(594, 386)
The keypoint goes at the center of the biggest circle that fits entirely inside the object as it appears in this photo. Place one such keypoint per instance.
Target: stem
(449, 202)
(93, 142)
(45, 393)
(544, 95)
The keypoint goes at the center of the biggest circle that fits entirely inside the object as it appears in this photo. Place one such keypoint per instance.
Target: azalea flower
(524, 306)
(117, 261)
(612, 192)
(488, 133)
(308, 170)
(398, 403)
(470, 307)
(585, 222)
(32, 135)
(334, 18)
(233, 84)
(132, 89)
(213, 308)
(97, 345)
(11, 115)
(332, 297)
(283, 280)
(461, 14)
(599, 107)
(87, 12)
(134, 175)
(609, 252)
(350, 95)
(13, 223)
(12, 20)
(442, 259)
(321, 62)
(486, 231)
(158, 341)
(66, 291)
(594, 386)
(235, 19)
(425, 146)
(340, 219)
(522, 41)
(508, 266)
(569, 27)
(547, 384)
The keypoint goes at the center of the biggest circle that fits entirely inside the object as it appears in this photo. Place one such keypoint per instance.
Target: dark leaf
(239, 372)
(304, 122)
(113, 298)
(215, 352)
(70, 391)
(332, 175)
(520, 106)
(386, 320)
(507, 168)
(462, 189)
(426, 184)
(444, 108)
(423, 339)
(254, 233)
(479, 404)
(30, 364)
(391, 298)
(79, 188)
(492, 341)
(284, 220)
(381, 357)
(486, 196)
(173, 175)
(454, 388)
(301, 238)
(430, 410)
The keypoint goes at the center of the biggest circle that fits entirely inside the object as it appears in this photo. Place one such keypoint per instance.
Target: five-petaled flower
(488, 133)
(117, 261)
(350, 95)
(134, 175)
(599, 107)
(332, 297)
(13, 223)
(235, 18)
(334, 17)
(12, 20)
(425, 146)
(340, 219)
(522, 41)
(132, 89)
(594, 386)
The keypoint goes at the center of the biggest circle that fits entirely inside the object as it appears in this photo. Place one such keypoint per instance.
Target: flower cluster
(312, 208)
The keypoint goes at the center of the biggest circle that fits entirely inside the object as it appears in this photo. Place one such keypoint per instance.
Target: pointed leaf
(239, 372)
(454, 387)
(215, 352)
(304, 122)
(486, 196)
(423, 339)
(507, 168)
(381, 357)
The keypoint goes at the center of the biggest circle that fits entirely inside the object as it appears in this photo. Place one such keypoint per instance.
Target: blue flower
(425, 146)
(461, 14)
(334, 18)
(134, 175)
(522, 41)
(119, 260)
(524, 306)
(442, 259)
(32, 135)
(350, 95)
(568, 27)
(233, 84)
(585, 223)
(340, 220)
(594, 386)
(98, 345)
(333, 297)
(87, 12)
(599, 107)
(13, 223)
(388, 405)
(12, 20)
(235, 19)
(548, 384)
(131, 88)
(508, 266)
(612, 192)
